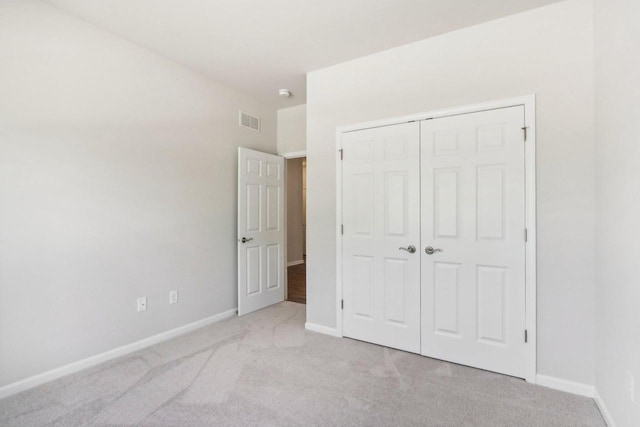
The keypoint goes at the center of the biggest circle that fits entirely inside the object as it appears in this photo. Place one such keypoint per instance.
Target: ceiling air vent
(250, 122)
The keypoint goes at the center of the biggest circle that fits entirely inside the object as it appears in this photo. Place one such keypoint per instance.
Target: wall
(547, 52)
(292, 129)
(295, 220)
(618, 208)
(117, 180)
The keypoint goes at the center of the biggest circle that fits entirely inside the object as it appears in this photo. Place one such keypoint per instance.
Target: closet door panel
(473, 242)
(381, 215)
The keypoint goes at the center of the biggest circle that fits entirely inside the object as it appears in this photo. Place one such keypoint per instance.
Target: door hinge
(526, 235)
(341, 154)
(526, 336)
(524, 129)
(341, 228)
(342, 304)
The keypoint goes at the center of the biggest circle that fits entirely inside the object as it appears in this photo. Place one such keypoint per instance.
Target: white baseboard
(565, 385)
(603, 409)
(300, 261)
(322, 329)
(71, 368)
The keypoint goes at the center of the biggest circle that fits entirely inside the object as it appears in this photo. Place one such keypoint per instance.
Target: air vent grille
(250, 122)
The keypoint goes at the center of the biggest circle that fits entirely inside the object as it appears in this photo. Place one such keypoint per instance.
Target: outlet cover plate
(142, 304)
(173, 297)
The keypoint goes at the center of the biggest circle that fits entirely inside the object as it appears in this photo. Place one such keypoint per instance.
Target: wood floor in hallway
(297, 283)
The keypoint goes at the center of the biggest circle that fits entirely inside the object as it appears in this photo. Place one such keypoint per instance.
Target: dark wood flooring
(297, 283)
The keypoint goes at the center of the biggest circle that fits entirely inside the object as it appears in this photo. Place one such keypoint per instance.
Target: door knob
(411, 249)
(430, 251)
(245, 240)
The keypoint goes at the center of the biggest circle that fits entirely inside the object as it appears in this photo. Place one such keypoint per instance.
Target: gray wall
(117, 180)
(292, 129)
(547, 52)
(618, 206)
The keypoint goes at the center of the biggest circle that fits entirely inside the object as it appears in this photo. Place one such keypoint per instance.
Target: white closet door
(473, 215)
(381, 215)
(260, 230)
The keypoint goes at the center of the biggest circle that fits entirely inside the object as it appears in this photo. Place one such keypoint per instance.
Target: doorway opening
(296, 229)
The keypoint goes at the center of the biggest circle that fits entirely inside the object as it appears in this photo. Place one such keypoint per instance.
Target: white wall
(117, 180)
(547, 52)
(617, 35)
(292, 129)
(295, 220)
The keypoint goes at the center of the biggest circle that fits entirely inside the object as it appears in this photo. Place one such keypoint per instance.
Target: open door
(260, 230)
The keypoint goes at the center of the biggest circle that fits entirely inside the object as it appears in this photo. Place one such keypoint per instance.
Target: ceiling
(260, 46)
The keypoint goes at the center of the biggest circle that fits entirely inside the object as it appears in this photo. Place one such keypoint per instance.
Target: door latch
(429, 250)
(411, 249)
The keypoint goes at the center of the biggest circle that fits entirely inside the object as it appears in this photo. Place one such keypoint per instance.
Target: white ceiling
(260, 46)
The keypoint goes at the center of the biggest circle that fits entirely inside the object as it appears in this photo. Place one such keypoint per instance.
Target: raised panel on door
(253, 210)
(490, 205)
(445, 302)
(253, 268)
(274, 261)
(395, 290)
(362, 203)
(362, 281)
(395, 204)
(254, 167)
(381, 282)
(273, 207)
(273, 170)
(445, 192)
(472, 192)
(491, 304)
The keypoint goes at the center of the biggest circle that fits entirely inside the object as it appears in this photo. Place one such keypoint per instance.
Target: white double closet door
(453, 188)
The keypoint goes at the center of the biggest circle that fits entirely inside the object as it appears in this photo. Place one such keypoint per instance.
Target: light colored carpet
(265, 369)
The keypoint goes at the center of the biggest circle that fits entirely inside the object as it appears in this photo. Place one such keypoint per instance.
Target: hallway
(297, 283)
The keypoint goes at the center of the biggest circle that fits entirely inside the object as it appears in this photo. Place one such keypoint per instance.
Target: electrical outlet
(142, 304)
(173, 297)
(631, 386)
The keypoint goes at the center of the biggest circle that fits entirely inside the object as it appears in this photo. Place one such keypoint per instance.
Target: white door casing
(381, 205)
(261, 225)
(473, 210)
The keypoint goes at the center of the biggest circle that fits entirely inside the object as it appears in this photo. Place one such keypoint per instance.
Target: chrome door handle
(411, 249)
(245, 240)
(430, 251)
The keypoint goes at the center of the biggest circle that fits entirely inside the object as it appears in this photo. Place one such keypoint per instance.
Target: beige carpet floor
(265, 369)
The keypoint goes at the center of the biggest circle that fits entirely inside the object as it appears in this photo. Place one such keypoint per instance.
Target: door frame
(287, 156)
(529, 104)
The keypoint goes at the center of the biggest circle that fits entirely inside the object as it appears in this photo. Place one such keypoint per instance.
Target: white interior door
(473, 215)
(260, 230)
(381, 220)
